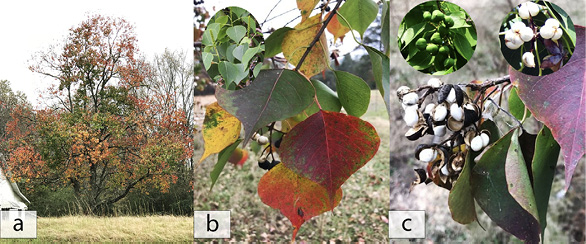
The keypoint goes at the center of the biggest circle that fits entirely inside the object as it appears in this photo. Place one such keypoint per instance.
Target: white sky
(30, 26)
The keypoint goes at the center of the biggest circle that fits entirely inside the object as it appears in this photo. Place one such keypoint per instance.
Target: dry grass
(113, 229)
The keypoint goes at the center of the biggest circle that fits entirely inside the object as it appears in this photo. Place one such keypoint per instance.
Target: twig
(269, 14)
(488, 83)
(317, 36)
(507, 113)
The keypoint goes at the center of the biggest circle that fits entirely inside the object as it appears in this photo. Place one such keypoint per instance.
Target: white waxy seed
(411, 115)
(434, 82)
(513, 40)
(528, 9)
(457, 112)
(429, 108)
(526, 34)
(552, 22)
(439, 130)
(410, 98)
(426, 155)
(557, 34)
(485, 139)
(262, 140)
(440, 112)
(476, 144)
(547, 32)
(528, 59)
(451, 96)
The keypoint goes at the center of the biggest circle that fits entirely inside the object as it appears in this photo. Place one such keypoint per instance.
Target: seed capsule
(439, 130)
(402, 91)
(443, 93)
(435, 83)
(429, 108)
(411, 115)
(416, 132)
(262, 140)
(485, 139)
(476, 144)
(455, 125)
(427, 154)
(451, 96)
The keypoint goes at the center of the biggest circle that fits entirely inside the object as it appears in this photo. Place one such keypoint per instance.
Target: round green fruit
(444, 50)
(449, 62)
(449, 21)
(436, 38)
(421, 43)
(426, 16)
(431, 48)
(437, 16)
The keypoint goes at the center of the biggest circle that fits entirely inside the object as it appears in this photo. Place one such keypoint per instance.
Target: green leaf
(490, 190)
(223, 157)
(210, 34)
(381, 70)
(353, 92)
(545, 158)
(385, 36)
(460, 200)
(273, 42)
(516, 106)
(463, 46)
(517, 176)
(236, 33)
(207, 59)
(250, 53)
(412, 33)
(231, 72)
(239, 51)
(359, 14)
(327, 97)
(274, 95)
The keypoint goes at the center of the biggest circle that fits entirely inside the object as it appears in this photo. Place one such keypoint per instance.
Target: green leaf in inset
(210, 34)
(489, 187)
(223, 157)
(381, 70)
(543, 167)
(207, 59)
(250, 53)
(517, 176)
(231, 72)
(516, 106)
(273, 42)
(353, 92)
(463, 46)
(411, 34)
(274, 95)
(236, 33)
(359, 14)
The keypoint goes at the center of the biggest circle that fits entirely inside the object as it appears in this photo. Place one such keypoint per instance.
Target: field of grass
(112, 229)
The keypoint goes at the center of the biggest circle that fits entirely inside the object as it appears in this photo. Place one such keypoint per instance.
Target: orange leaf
(306, 6)
(337, 29)
(298, 198)
(296, 42)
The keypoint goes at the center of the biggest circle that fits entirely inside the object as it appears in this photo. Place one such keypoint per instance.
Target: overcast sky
(31, 26)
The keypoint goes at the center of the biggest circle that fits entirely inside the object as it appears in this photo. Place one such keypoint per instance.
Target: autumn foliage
(103, 132)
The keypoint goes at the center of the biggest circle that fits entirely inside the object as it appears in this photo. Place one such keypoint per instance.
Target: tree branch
(318, 35)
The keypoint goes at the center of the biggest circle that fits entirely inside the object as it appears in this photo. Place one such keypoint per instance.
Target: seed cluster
(448, 108)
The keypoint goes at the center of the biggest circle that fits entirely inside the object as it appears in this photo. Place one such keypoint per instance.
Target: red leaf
(559, 101)
(298, 198)
(328, 147)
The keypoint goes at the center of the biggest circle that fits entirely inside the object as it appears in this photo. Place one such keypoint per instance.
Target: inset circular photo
(437, 37)
(233, 47)
(537, 38)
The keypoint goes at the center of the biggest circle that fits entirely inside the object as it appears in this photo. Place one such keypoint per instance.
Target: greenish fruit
(431, 48)
(426, 16)
(449, 62)
(421, 43)
(449, 21)
(437, 16)
(444, 50)
(436, 38)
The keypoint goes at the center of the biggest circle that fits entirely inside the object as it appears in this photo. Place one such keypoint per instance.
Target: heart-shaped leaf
(329, 147)
(274, 95)
(489, 187)
(336, 28)
(558, 100)
(359, 14)
(274, 41)
(353, 92)
(232, 73)
(236, 33)
(298, 198)
(295, 44)
(220, 130)
(382, 74)
(306, 6)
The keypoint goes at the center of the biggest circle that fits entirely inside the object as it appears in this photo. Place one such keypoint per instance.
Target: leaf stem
(318, 35)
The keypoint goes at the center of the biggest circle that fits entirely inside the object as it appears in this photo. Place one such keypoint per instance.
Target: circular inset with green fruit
(437, 37)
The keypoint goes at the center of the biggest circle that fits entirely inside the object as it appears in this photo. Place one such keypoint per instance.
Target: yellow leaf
(337, 29)
(306, 6)
(296, 42)
(220, 130)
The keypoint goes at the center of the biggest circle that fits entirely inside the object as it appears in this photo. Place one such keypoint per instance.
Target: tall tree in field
(98, 136)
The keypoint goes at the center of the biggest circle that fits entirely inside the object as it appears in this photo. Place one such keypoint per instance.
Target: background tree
(99, 137)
